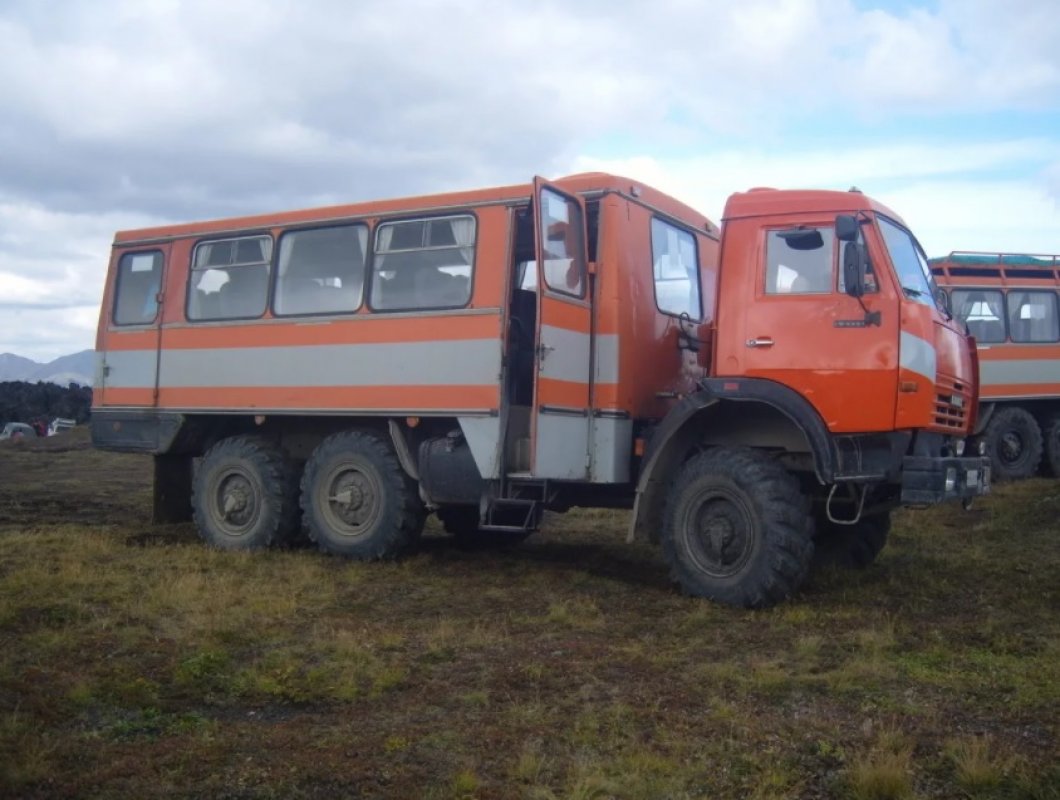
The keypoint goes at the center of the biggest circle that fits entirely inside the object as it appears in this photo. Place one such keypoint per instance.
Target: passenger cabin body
(543, 319)
(1009, 301)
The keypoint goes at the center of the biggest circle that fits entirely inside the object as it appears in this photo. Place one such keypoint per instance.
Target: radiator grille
(952, 401)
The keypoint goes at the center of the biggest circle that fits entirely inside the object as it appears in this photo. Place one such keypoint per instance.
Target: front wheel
(357, 501)
(737, 529)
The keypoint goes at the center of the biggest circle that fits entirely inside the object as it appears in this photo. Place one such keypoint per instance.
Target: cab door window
(800, 261)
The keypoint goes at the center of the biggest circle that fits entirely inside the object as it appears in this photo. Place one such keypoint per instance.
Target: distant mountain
(75, 368)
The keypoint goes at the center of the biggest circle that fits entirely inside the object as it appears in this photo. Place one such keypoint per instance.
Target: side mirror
(853, 266)
(847, 228)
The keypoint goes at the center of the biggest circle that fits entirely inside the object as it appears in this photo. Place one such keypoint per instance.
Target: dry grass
(135, 662)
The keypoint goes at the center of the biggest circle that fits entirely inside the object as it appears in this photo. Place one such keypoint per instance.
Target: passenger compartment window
(230, 278)
(800, 261)
(983, 311)
(136, 293)
(675, 268)
(1032, 316)
(321, 271)
(424, 263)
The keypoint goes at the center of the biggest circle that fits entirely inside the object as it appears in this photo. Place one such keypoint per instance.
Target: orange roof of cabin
(762, 202)
(583, 183)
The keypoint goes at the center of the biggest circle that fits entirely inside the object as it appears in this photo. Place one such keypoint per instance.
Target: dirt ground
(135, 662)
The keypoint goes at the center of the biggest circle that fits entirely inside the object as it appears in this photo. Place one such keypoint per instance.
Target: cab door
(560, 419)
(804, 331)
(127, 365)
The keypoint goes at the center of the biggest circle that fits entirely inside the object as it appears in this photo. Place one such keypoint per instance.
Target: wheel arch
(747, 412)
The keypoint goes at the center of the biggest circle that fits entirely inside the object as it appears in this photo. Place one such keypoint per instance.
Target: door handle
(762, 341)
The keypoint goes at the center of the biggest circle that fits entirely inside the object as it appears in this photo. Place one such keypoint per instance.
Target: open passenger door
(561, 410)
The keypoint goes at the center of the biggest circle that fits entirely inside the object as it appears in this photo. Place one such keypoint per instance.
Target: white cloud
(119, 110)
(945, 193)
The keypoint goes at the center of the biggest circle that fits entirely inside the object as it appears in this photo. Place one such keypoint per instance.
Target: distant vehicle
(60, 424)
(18, 430)
(1009, 301)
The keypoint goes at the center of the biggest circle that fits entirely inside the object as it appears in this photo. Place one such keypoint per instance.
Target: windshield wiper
(911, 292)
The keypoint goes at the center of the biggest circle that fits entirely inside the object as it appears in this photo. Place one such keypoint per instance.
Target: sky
(118, 114)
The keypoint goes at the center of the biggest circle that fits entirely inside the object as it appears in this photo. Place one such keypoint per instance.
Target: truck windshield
(910, 263)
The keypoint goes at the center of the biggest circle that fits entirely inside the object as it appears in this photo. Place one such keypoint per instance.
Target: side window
(1032, 316)
(983, 311)
(230, 278)
(562, 230)
(800, 261)
(321, 271)
(675, 268)
(136, 293)
(423, 263)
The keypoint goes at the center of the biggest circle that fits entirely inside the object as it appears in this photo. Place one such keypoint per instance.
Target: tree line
(21, 401)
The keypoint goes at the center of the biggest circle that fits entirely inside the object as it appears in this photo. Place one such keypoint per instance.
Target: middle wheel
(357, 501)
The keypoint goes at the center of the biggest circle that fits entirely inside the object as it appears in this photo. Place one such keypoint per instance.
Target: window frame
(118, 281)
(983, 290)
(583, 255)
(1029, 291)
(371, 274)
(274, 278)
(695, 251)
(833, 278)
(193, 270)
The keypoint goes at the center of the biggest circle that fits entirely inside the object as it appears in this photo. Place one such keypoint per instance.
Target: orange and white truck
(1009, 303)
(751, 393)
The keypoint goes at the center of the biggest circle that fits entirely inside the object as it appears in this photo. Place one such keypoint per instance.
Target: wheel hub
(1011, 447)
(352, 498)
(722, 535)
(236, 501)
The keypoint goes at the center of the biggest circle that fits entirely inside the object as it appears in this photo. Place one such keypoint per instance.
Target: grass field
(134, 662)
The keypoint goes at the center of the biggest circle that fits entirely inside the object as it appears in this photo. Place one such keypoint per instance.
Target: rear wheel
(357, 501)
(737, 529)
(1013, 443)
(854, 546)
(245, 495)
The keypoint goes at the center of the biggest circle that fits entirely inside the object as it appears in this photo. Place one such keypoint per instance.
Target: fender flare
(713, 391)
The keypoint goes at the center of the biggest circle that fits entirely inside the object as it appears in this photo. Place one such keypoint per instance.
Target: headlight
(951, 479)
(960, 447)
(982, 447)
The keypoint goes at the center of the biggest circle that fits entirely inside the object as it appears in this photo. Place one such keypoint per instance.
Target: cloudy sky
(124, 113)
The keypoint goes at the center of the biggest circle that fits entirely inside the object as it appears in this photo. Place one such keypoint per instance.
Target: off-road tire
(737, 529)
(461, 522)
(854, 546)
(1013, 443)
(357, 501)
(1051, 434)
(245, 495)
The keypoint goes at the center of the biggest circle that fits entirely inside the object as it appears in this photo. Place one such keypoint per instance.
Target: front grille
(952, 401)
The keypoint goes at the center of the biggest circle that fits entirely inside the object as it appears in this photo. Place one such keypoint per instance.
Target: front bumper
(927, 480)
